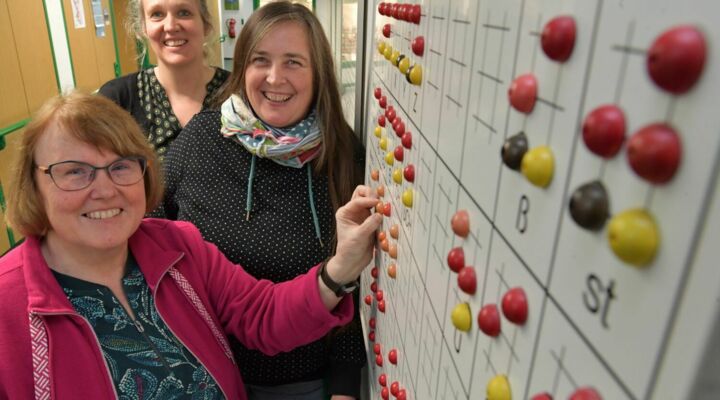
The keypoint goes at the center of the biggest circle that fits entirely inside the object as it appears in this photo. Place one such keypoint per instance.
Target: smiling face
(279, 75)
(175, 30)
(100, 217)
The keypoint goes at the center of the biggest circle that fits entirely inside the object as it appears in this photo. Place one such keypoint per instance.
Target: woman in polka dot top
(262, 179)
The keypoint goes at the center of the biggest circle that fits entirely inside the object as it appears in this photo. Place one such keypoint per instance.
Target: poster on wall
(98, 18)
(78, 12)
(232, 4)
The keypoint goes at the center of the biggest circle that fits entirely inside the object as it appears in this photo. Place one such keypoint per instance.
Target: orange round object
(394, 231)
(392, 270)
(375, 175)
(381, 191)
(460, 223)
(379, 206)
(393, 251)
(384, 245)
(381, 236)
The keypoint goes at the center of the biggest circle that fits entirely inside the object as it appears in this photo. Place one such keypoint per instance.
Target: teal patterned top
(145, 359)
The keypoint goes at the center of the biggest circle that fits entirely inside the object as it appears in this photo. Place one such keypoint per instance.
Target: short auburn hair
(91, 119)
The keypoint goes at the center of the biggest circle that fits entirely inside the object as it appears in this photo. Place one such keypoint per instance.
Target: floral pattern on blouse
(144, 358)
(163, 125)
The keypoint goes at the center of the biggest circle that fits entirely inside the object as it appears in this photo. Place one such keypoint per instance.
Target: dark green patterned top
(145, 359)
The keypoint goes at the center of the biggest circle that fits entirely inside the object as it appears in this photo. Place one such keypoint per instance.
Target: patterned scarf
(291, 147)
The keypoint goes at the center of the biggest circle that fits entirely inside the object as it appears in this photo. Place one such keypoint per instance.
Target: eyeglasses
(77, 175)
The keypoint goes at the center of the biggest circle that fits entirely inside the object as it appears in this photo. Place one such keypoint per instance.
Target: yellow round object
(634, 236)
(397, 176)
(407, 198)
(538, 165)
(383, 143)
(388, 52)
(499, 388)
(378, 131)
(461, 317)
(416, 75)
(404, 65)
(381, 48)
(390, 158)
(394, 56)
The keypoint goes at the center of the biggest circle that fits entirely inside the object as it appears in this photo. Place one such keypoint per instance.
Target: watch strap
(340, 290)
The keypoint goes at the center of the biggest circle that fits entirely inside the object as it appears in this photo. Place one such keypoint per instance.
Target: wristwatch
(338, 289)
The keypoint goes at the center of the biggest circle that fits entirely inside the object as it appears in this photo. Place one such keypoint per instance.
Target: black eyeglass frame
(141, 160)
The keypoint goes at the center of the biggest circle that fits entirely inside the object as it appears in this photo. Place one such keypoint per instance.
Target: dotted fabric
(206, 177)
(162, 125)
(142, 96)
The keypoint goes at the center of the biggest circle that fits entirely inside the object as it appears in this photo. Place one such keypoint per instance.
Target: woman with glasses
(262, 178)
(162, 99)
(99, 303)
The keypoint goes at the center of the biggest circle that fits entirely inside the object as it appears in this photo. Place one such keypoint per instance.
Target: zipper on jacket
(160, 357)
(154, 294)
(97, 342)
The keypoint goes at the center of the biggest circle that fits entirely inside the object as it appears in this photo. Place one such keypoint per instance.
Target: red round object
(585, 393)
(394, 388)
(460, 223)
(377, 93)
(467, 282)
(523, 93)
(402, 12)
(373, 287)
(377, 349)
(418, 45)
(379, 360)
(604, 130)
(542, 396)
(456, 259)
(374, 272)
(409, 173)
(385, 393)
(387, 209)
(402, 394)
(654, 153)
(393, 356)
(381, 8)
(368, 299)
(381, 120)
(676, 58)
(382, 380)
(406, 140)
(371, 336)
(379, 295)
(391, 114)
(415, 14)
(558, 38)
(399, 154)
(515, 305)
(372, 323)
(382, 101)
(399, 127)
(386, 30)
(381, 306)
(396, 11)
(489, 320)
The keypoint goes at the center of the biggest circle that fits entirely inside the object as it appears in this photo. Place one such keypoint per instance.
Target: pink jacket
(198, 292)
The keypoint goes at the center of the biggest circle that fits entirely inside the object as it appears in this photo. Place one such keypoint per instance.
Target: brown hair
(135, 25)
(336, 154)
(95, 120)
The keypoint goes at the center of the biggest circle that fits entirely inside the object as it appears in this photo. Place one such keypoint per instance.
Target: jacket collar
(45, 294)
(153, 258)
